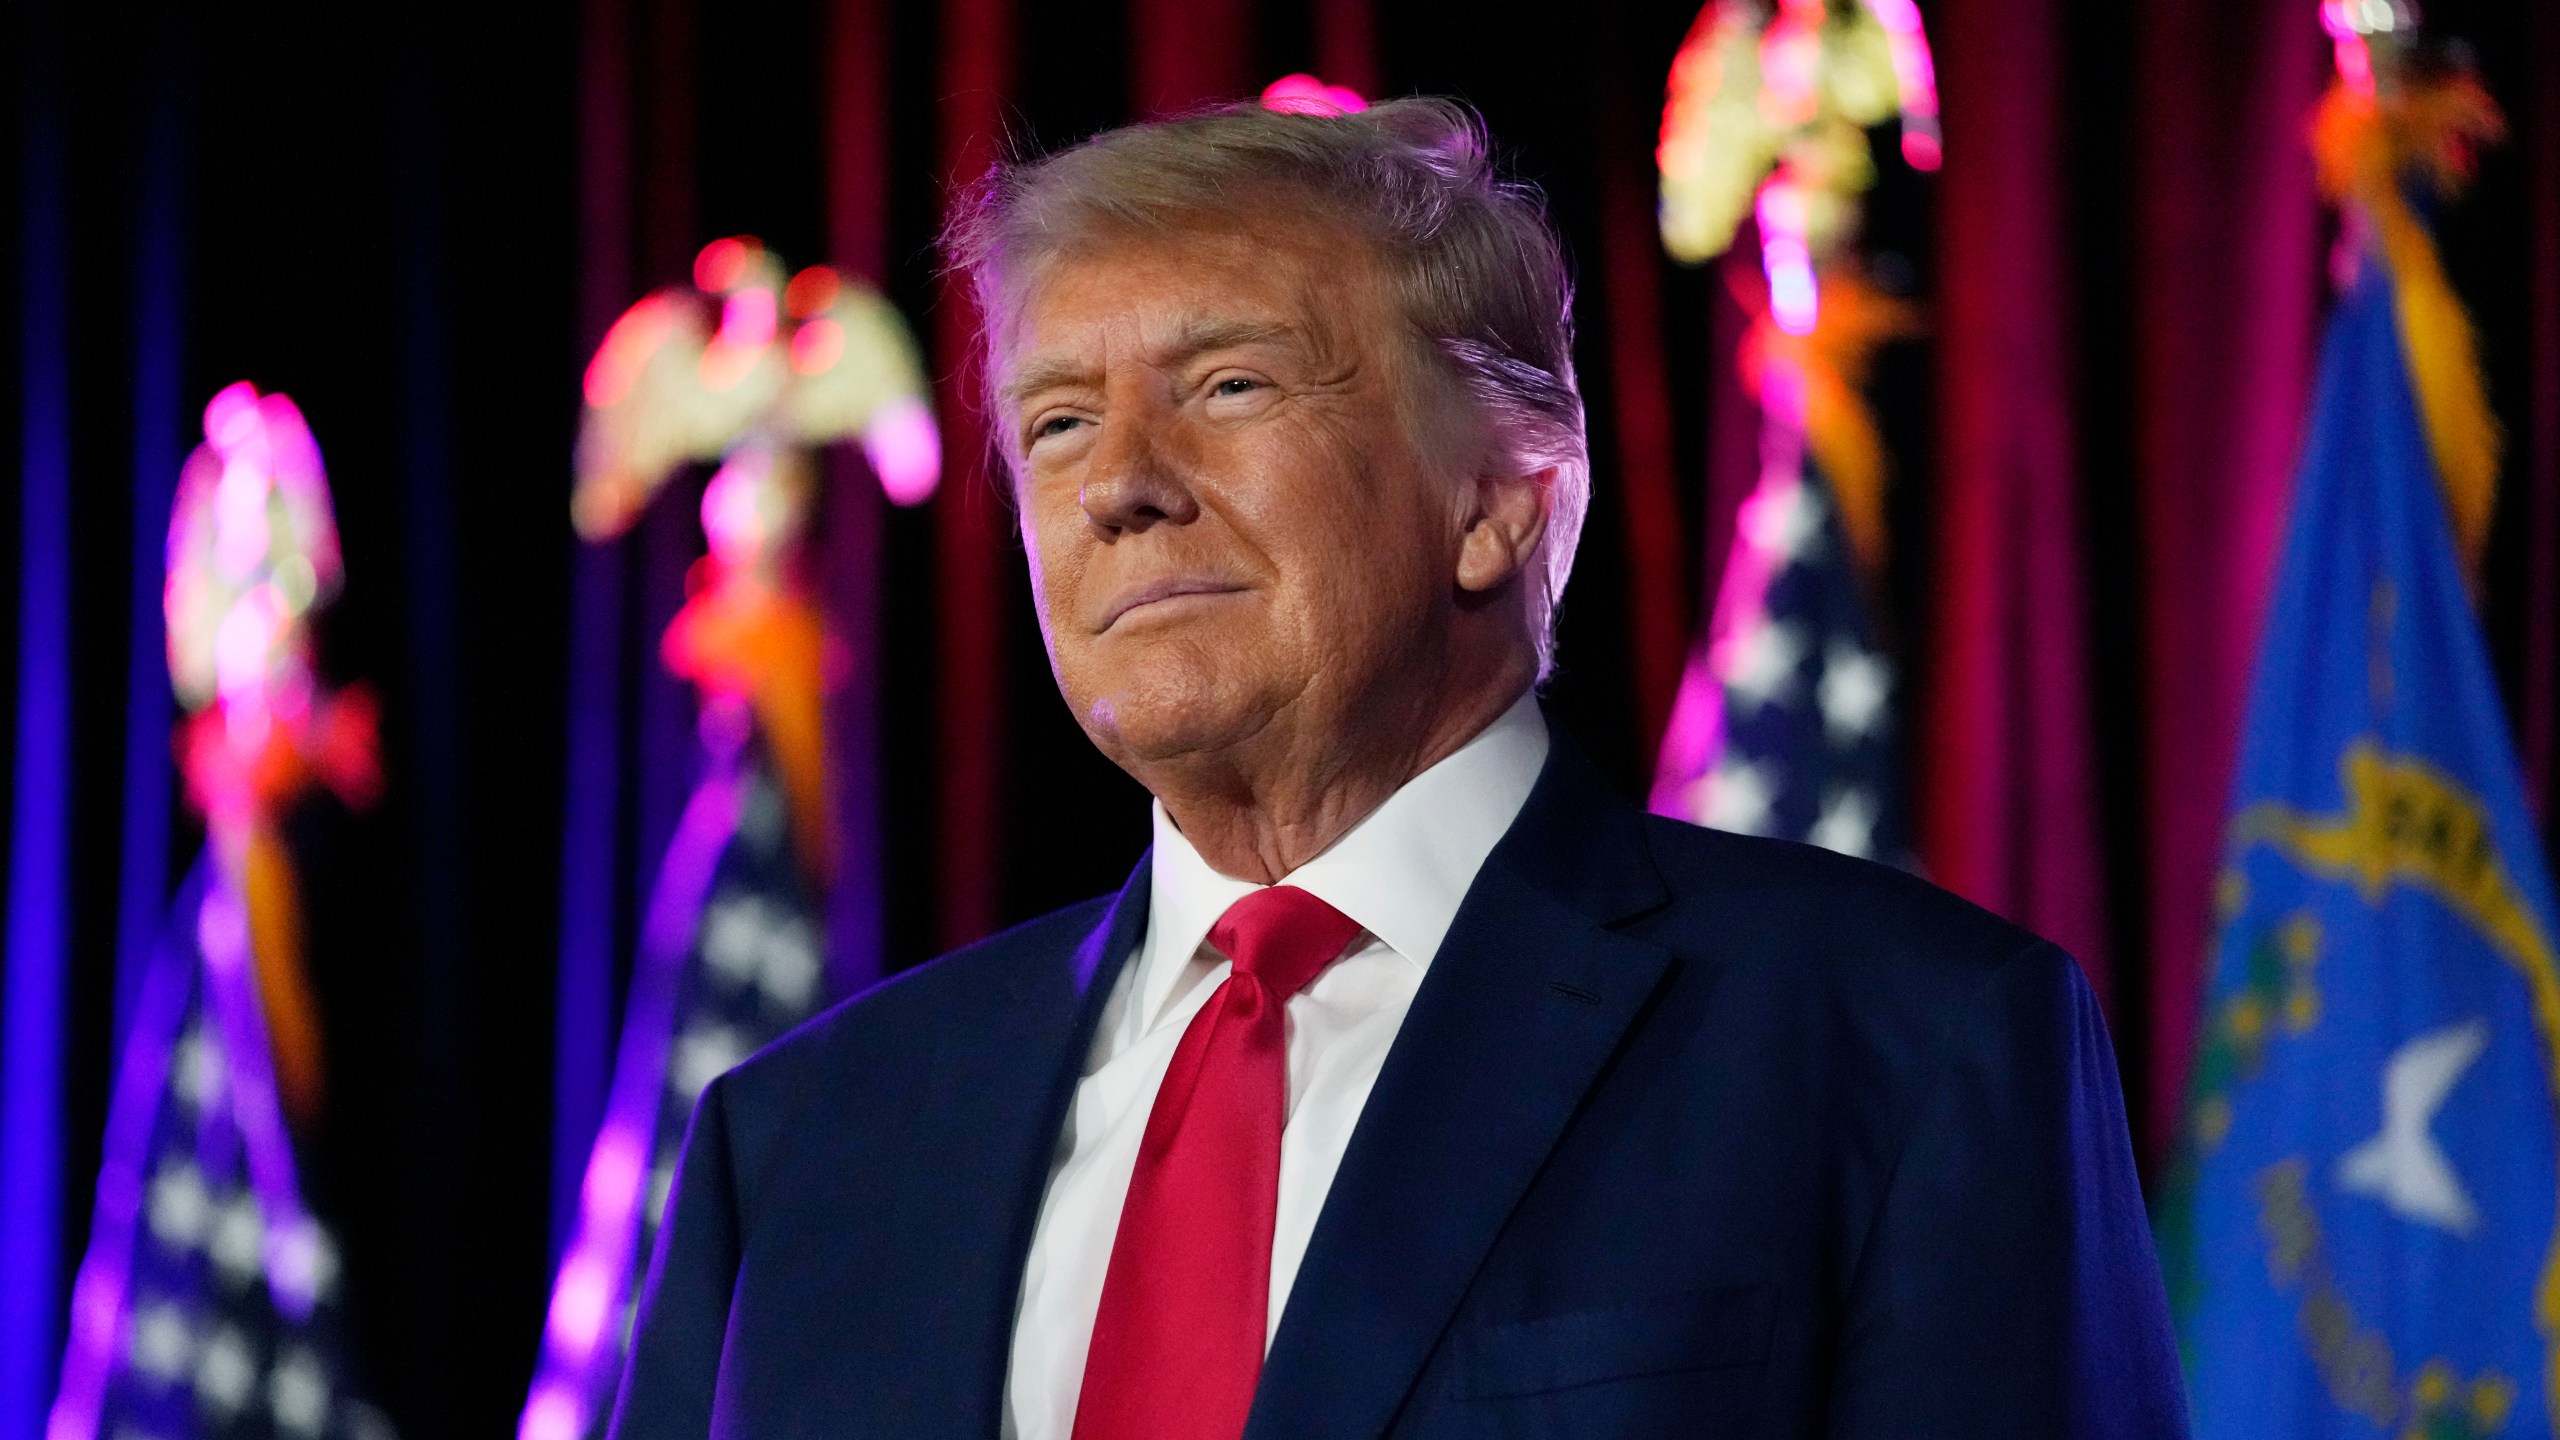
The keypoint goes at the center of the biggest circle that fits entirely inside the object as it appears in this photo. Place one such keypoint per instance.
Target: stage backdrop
(418, 220)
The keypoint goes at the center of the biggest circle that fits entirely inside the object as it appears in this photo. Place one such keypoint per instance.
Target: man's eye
(1055, 425)
(1235, 385)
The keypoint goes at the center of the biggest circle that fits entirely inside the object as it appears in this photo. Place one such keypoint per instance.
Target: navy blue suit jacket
(1686, 1134)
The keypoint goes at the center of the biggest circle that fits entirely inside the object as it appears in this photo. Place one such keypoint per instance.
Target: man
(1415, 1084)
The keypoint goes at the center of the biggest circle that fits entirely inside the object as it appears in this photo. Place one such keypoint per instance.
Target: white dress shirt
(1400, 873)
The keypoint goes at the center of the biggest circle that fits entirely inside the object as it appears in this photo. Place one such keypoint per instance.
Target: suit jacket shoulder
(861, 1060)
(1786, 903)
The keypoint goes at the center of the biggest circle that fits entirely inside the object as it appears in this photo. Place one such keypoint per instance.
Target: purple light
(596, 1277)
(293, 1249)
(578, 1308)
(106, 1271)
(231, 994)
(34, 966)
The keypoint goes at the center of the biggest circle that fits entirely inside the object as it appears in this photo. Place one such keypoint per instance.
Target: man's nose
(1135, 481)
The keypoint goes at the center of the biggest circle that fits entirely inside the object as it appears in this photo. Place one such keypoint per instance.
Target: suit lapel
(1528, 998)
(998, 1103)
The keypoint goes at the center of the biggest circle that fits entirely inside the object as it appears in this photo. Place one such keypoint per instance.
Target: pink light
(1304, 94)
(817, 345)
(905, 450)
(231, 416)
(1793, 297)
(747, 318)
(734, 521)
(240, 531)
(245, 647)
(613, 1176)
(553, 1415)
(1915, 77)
(1791, 64)
(578, 1307)
(2350, 24)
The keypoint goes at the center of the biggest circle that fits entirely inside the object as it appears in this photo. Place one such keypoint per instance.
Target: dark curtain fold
(972, 539)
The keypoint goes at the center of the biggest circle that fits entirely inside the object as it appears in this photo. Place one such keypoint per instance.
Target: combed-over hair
(1475, 264)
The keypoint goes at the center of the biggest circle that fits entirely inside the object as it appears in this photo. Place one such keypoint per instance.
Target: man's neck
(1260, 821)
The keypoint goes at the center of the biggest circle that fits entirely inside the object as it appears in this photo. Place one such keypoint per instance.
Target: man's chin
(1149, 726)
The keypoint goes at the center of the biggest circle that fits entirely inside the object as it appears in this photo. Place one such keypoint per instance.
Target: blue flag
(2369, 1233)
(207, 1307)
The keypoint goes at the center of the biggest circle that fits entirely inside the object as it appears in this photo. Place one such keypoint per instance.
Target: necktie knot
(1282, 936)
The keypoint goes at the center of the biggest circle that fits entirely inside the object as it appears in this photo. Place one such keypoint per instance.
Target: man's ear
(1510, 519)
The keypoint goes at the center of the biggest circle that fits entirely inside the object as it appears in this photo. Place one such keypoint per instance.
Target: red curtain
(855, 99)
(2131, 281)
(1185, 52)
(2005, 776)
(1639, 408)
(972, 539)
(2229, 286)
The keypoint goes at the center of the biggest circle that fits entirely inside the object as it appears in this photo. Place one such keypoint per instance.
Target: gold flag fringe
(2367, 146)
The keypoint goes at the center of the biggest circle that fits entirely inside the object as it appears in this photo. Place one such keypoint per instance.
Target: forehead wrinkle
(1307, 321)
(1193, 338)
(1189, 340)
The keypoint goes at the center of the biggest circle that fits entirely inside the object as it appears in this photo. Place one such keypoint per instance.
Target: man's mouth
(1157, 594)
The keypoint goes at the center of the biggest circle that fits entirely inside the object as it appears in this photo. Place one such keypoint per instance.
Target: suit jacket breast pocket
(1665, 1335)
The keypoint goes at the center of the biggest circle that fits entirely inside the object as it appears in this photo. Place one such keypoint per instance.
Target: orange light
(626, 349)
(723, 262)
(811, 291)
(816, 346)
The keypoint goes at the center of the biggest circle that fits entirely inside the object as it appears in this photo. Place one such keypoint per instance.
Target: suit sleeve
(2008, 1286)
(673, 1374)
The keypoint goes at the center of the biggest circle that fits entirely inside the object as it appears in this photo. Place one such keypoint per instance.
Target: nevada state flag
(2363, 1235)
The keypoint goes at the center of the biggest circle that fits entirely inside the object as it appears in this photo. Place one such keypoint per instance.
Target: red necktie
(1177, 1343)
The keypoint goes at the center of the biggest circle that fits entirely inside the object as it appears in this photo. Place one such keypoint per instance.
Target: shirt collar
(1401, 872)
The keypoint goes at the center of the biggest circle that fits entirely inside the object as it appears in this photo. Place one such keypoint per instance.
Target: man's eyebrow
(1193, 341)
(1186, 344)
(1042, 375)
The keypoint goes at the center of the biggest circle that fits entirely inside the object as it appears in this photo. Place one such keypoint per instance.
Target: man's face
(1232, 521)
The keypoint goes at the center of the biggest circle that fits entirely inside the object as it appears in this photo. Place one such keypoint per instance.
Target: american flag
(208, 1304)
(1784, 722)
(730, 959)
